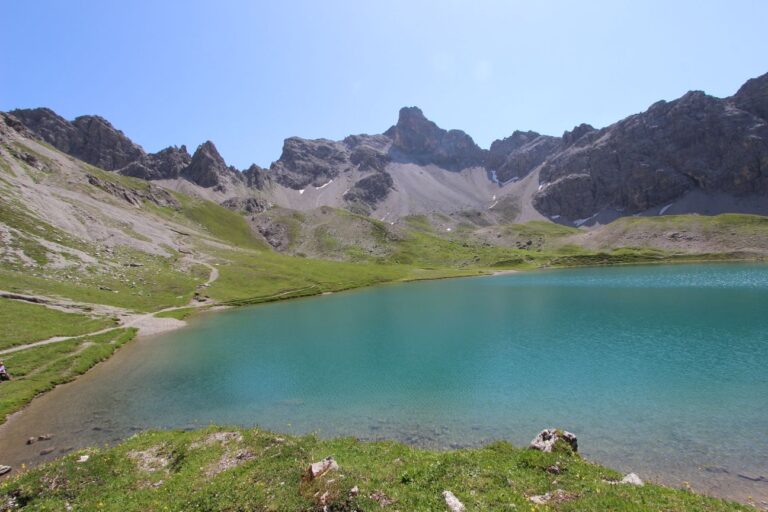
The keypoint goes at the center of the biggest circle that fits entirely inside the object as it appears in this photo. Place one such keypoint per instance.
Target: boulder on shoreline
(552, 439)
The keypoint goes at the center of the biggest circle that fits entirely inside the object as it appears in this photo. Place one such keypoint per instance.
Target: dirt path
(214, 272)
(147, 323)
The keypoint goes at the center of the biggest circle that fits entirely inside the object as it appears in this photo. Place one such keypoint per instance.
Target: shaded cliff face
(90, 138)
(310, 162)
(697, 142)
(165, 164)
(94, 140)
(417, 139)
(519, 154)
(753, 97)
(207, 168)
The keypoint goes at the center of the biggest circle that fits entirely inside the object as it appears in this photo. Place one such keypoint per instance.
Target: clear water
(661, 370)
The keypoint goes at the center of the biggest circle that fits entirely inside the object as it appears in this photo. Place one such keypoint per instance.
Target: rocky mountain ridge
(697, 144)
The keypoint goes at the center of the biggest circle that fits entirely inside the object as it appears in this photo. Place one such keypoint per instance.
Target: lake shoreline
(146, 338)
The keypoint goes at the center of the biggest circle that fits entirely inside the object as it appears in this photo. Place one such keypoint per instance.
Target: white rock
(632, 479)
(84, 458)
(542, 499)
(454, 505)
(318, 469)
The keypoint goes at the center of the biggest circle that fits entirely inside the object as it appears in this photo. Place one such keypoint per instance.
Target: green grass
(219, 222)
(39, 369)
(541, 228)
(25, 323)
(118, 179)
(158, 285)
(269, 276)
(270, 476)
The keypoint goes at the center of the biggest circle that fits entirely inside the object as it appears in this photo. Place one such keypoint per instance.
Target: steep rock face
(307, 162)
(163, 165)
(370, 190)
(50, 127)
(368, 152)
(9, 123)
(208, 168)
(417, 139)
(90, 138)
(310, 162)
(653, 158)
(577, 134)
(753, 97)
(254, 177)
(246, 204)
(646, 161)
(94, 140)
(103, 145)
(520, 153)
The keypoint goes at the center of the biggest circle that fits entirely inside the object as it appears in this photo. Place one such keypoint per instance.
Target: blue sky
(248, 74)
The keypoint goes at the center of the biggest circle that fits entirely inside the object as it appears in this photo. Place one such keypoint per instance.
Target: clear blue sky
(247, 74)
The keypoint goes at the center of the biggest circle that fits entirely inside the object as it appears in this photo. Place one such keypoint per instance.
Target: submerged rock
(547, 440)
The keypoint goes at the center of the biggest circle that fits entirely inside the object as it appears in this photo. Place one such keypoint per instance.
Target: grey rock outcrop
(208, 169)
(255, 177)
(246, 204)
(519, 154)
(696, 142)
(95, 141)
(417, 139)
(135, 197)
(551, 439)
(90, 138)
(166, 164)
(753, 97)
(370, 190)
(307, 162)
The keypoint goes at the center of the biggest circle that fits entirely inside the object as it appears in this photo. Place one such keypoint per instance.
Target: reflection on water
(659, 370)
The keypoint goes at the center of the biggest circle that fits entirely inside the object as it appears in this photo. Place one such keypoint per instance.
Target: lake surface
(661, 370)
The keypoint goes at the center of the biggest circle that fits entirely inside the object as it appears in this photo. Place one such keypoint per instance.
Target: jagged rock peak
(207, 166)
(90, 138)
(165, 164)
(414, 133)
(417, 139)
(753, 96)
(569, 137)
(254, 177)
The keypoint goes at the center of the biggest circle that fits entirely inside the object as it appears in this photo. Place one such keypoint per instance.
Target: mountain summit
(696, 154)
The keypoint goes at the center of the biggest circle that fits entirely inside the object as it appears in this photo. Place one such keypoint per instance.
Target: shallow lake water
(660, 370)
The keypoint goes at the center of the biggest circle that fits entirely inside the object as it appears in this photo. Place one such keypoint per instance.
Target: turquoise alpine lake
(660, 370)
